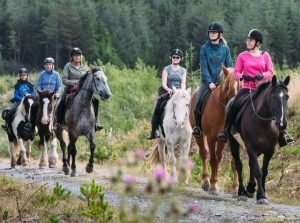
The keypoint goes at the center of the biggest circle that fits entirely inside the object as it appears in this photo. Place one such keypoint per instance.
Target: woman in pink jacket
(252, 66)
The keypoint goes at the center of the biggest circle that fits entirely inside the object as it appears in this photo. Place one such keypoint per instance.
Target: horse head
(25, 107)
(100, 84)
(46, 104)
(229, 85)
(279, 101)
(180, 104)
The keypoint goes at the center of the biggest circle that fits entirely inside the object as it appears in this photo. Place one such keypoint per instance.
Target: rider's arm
(66, 76)
(164, 79)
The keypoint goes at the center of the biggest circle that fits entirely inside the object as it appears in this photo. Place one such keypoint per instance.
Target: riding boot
(156, 120)
(197, 131)
(223, 135)
(284, 139)
(60, 113)
(95, 102)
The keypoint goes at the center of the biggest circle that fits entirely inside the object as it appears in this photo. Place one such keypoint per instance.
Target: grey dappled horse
(80, 117)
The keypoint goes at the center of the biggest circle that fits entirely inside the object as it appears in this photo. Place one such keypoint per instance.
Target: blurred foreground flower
(159, 173)
(190, 164)
(140, 154)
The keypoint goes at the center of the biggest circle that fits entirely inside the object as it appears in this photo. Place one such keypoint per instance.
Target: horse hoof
(66, 170)
(235, 195)
(89, 169)
(43, 166)
(25, 163)
(262, 201)
(205, 187)
(74, 173)
(213, 192)
(52, 166)
(242, 198)
(250, 195)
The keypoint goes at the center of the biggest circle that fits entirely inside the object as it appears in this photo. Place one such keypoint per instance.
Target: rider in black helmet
(22, 87)
(72, 72)
(172, 75)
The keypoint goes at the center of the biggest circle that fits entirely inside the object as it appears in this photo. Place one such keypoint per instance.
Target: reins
(255, 112)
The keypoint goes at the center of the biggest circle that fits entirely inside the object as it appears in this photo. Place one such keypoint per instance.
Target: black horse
(80, 117)
(259, 126)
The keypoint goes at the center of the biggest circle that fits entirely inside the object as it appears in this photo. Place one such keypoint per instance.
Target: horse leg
(184, 155)
(72, 151)
(89, 167)
(252, 183)
(44, 156)
(66, 166)
(24, 160)
(53, 157)
(254, 165)
(235, 152)
(266, 161)
(28, 149)
(215, 158)
(12, 153)
(235, 184)
(161, 152)
(172, 160)
(203, 152)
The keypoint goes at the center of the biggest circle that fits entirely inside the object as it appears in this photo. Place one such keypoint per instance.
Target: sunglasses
(174, 57)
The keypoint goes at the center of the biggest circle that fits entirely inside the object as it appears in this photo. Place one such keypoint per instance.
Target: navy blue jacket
(22, 88)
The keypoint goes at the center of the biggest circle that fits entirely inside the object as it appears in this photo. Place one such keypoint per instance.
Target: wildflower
(190, 164)
(139, 153)
(193, 208)
(127, 179)
(159, 173)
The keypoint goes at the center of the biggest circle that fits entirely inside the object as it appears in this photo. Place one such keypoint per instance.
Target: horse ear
(174, 89)
(274, 80)
(225, 70)
(287, 80)
(189, 90)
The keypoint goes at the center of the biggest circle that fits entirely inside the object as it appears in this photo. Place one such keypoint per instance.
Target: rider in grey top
(173, 75)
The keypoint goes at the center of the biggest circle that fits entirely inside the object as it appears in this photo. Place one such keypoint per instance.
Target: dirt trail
(221, 208)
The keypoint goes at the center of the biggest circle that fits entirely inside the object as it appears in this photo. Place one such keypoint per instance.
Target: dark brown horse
(264, 117)
(213, 118)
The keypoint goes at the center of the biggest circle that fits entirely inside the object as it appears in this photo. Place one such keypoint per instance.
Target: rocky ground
(212, 208)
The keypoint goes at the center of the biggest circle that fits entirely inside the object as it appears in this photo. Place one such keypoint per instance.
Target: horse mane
(174, 98)
(82, 79)
(260, 88)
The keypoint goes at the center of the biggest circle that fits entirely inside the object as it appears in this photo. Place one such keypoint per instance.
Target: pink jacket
(253, 65)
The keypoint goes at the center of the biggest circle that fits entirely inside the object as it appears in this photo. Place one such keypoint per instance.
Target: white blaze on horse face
(282, 108)
(30, 101)
(45, 117)
(180, 110)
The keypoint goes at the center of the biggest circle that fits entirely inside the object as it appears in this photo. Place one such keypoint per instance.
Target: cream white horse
(177, 129)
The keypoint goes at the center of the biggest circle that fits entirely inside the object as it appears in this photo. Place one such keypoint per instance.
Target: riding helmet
(215, 27)
(255, 34)
(49, 60)
(75, 51)
(23, 71)
(177, 52)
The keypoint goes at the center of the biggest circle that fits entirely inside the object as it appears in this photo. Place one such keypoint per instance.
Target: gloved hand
(245, 77)
(259, 76)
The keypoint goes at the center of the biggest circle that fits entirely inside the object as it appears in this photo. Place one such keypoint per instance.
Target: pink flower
(159, 173)
(172, 180)
(190, 164)
(127, 179)
(139, 153)
(193, 208)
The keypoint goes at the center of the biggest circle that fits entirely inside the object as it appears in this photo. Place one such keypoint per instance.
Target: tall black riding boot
(223, 135)
(197, 131)
(95, 102)
(156, 119)
(60, 113)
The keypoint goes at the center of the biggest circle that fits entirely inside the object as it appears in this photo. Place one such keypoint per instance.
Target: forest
(122, 31)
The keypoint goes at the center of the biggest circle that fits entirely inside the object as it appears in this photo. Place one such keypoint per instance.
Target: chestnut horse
(213, 119)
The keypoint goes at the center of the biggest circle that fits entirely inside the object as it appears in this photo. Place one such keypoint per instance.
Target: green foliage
(196, 172)
(97, 208)
(58, 194)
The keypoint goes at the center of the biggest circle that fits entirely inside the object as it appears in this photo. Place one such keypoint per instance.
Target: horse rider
(49, 79)
(72, 73)
(213, 54)
(22, 87)
(172, 75)
(252, 66)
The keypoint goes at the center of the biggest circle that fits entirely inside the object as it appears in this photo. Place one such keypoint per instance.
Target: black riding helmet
(75, 51)
(177, 52)
(23, 71)
(215, 27)
(255, 34)
(49, 60)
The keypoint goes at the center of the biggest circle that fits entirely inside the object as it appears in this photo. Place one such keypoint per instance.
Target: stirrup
(197, 131)
(223, 136)
(28, 126)
(98, 127)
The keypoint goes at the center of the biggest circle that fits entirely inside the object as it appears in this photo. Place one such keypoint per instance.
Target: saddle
(240, 106)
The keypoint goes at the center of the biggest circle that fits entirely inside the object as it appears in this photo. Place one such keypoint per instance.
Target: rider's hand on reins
(247, 78)
(212, 86)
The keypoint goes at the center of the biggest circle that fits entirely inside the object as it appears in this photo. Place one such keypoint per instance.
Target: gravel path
(221, 208)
